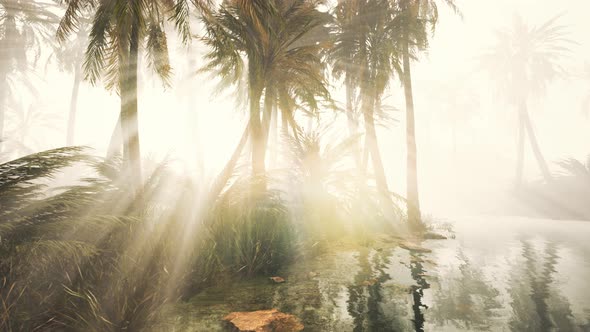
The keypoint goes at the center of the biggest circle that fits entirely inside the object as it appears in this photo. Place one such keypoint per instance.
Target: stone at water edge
(277, 280)
(264, 321)
(370, 282)
(434, 236)
(414, 247)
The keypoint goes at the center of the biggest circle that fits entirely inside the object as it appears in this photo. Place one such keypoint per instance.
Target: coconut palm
(70, 58)
(522, 62)
(24, 27)
(272, 43)
(366, 53)
(417, 19)
(119, 29)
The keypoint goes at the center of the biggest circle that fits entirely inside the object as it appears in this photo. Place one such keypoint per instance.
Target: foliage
(83, 257)
(246, 232)
(524, 59)
(567, 196)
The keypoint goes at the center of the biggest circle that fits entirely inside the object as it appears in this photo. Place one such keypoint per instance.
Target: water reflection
(466, 298)
(515, 281)
(368, 296)
(418, 274)
(536, 300)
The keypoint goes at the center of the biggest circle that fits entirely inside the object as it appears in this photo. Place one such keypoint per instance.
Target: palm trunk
(129, 116)
(373, 146)
(256, 132)
(413, 201)
(224, 176)
(352, 122)
(267, 115)
(535, 144)
(284, 124)
(73, 106)
(274, 130)
(296, 130)
(115, 143)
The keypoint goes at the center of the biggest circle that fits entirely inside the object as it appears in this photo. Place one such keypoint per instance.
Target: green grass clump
(249, 231)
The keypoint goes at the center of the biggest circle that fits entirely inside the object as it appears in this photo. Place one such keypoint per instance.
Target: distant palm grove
(93, 242)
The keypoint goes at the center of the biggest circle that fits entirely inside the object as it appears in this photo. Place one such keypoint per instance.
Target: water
(495, 274)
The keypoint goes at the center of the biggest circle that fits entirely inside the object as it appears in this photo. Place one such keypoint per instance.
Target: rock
(411, 246)
(434, 236)
(264, 321)
(370, 282)
(277, 280)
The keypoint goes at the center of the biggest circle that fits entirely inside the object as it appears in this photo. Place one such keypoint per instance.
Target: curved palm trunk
(534, 143)
(413, 201)
(129, 116)
(224, 176)
(73, 106)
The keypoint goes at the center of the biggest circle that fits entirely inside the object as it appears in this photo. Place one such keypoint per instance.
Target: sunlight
(288, 165)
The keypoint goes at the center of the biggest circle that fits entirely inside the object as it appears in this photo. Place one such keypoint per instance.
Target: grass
(86, 258)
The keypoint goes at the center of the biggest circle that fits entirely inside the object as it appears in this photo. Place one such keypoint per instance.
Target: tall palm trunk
(534, 143)
(413, 201)
(129, 116)
(284, 124)
(225, 174)
(352, 121)
(73, 105)
(369, 98)
(256, 130)
(269, 102)
(373, 147)
(114, 147)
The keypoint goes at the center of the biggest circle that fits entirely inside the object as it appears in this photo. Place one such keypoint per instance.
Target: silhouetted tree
(522, 62)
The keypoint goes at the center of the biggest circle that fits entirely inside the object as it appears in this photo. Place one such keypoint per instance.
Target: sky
(191, 123)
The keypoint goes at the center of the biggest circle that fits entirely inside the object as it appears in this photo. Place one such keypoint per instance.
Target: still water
(492, 274)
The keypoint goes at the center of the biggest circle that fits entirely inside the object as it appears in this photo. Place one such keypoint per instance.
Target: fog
(456, 175)
(208, 183)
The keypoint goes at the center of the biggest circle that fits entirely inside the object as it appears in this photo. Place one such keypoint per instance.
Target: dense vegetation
(122, 238)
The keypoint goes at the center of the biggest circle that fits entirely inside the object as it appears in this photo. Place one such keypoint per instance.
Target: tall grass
(91, 257)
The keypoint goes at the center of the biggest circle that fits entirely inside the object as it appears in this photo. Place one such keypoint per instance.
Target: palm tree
(119, 29)
(365, 52)
(70, 59)
(522, 62)
(24, 26)
(270, 41)
(417, 17)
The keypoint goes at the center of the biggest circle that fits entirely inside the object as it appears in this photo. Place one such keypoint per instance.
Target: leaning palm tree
(24, 27)
(271, 42)
(522, 62)
(119, 29)
(417, 19)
